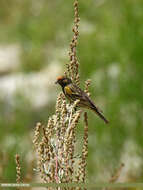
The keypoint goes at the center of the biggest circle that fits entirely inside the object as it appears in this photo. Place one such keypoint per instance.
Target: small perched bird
(73, 92)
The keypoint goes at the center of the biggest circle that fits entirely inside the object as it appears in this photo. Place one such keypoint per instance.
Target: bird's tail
(95, 109)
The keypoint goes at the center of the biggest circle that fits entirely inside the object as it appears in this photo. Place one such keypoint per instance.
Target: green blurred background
(34, 44)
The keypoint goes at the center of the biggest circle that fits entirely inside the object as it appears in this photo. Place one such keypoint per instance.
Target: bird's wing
(85, 100)
(74, 92)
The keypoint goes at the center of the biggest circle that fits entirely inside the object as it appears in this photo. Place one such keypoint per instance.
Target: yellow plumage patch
(68, 90)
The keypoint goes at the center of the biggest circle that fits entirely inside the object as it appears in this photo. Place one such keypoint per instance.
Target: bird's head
(63, 81)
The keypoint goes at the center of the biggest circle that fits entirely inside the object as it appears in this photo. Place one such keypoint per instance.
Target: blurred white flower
(37, 87)
(131, 160)
(114, 70)
(86, 27)
(9, 57)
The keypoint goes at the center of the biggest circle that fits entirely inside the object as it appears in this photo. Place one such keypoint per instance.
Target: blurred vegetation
(110, 53)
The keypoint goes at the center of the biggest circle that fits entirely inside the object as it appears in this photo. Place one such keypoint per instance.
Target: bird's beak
(56, 82)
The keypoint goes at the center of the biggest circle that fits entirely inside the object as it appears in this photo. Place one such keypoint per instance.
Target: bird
(72, 92)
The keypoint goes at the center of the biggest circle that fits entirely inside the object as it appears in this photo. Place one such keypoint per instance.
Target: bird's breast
(67, 90)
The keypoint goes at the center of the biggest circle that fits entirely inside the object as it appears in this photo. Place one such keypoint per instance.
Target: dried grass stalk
(73, 66)
(56, 149)
(116, 175)
(18, 168)
(57, 160)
